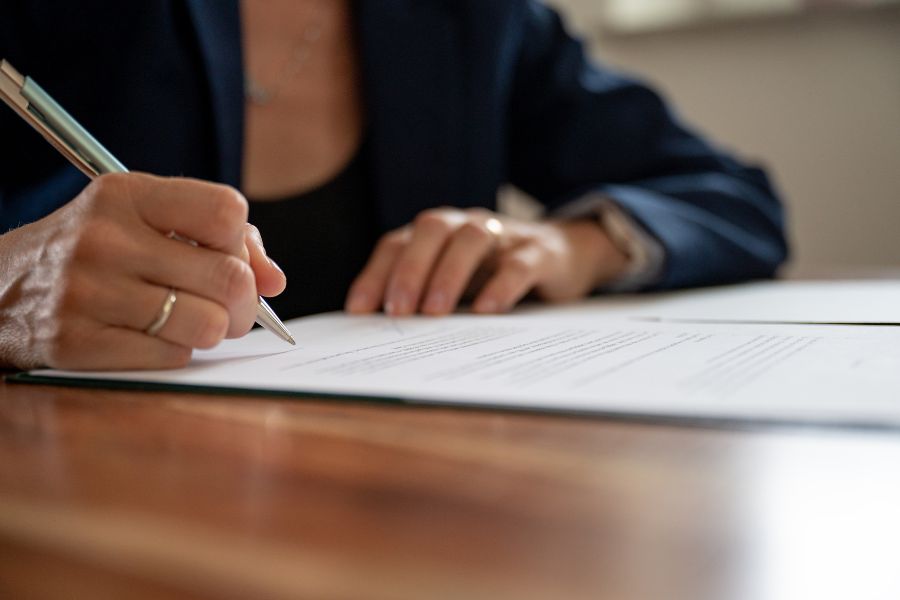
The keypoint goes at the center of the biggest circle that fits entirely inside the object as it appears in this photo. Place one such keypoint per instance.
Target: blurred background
(809, 88)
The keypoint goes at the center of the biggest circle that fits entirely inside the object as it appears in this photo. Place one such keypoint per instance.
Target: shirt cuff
(646, 256)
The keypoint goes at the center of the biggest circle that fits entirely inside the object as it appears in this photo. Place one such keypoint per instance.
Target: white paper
(581, 359)
(874, 302)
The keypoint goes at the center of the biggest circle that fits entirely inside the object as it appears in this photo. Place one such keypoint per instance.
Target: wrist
(599, 258)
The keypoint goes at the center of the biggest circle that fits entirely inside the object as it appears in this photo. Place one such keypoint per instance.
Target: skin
(429, 265)
(314, 125)
(79, 287)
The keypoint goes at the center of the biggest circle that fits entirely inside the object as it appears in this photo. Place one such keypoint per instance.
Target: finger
(270, 279)
(216, 276)
(211, 214)
(466, 250)
(116, 348)
(517, 273)
(194, 321)
(367, 291)
(414, 265)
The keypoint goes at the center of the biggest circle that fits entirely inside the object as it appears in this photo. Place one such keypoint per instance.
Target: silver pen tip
(266, 317)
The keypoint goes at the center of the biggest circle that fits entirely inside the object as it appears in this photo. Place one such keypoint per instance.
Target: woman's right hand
(79, 288)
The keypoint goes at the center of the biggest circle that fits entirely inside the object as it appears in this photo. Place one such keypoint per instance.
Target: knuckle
(393, 240)
(234, 278)
(230, 208)
(433, 222)
(432, 213)
(517, 265)
(106, 193)
(110, 185)
(210, 328)
(474, 233)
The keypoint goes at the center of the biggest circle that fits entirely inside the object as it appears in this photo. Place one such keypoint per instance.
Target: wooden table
(145, 495)
(107, 494)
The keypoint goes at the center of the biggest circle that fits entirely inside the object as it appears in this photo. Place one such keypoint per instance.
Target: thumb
(270, 279)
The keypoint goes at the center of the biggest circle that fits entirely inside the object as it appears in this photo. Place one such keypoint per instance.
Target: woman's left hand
(446, 253)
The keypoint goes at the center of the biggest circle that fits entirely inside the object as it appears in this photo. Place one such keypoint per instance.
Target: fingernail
(436, 303)
(358, 302)
(275, 265)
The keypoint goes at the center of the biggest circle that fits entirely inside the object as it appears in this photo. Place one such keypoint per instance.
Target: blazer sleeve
(578, 129)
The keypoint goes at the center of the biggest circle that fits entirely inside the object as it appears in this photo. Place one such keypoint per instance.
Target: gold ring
(164, 313)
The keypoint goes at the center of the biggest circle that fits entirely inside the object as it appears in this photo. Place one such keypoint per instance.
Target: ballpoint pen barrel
(82, 141)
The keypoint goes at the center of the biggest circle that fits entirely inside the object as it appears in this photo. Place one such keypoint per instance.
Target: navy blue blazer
(461, 97)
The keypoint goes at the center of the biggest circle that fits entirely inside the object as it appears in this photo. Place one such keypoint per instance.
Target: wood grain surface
(107, 494)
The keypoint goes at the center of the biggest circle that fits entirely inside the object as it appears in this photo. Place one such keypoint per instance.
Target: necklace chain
(300, 54)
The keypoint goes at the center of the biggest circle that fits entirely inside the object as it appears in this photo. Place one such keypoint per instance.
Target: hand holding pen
(102, 284)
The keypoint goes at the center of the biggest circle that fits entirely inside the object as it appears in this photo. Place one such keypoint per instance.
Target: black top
(321, 239)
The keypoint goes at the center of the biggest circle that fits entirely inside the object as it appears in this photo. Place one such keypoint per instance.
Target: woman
(343, 123)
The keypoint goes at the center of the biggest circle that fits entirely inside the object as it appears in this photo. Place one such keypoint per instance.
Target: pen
(73, 141)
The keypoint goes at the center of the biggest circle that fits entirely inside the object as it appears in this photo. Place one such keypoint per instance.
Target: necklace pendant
(256, 93)
(300, 55)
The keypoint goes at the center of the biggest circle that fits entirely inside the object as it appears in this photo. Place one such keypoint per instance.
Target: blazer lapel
(412, 84)
(218, 28)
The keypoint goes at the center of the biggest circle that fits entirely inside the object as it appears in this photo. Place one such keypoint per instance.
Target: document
(827, 302)
(578, 359)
